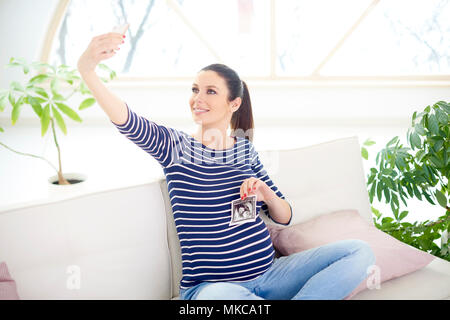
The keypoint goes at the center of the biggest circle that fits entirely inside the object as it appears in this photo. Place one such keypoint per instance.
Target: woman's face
(209, 100)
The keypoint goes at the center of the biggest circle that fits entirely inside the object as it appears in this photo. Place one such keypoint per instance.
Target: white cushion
(321, 178)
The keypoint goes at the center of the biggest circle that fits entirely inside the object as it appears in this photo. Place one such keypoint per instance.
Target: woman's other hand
(255, 186)
(100, 48)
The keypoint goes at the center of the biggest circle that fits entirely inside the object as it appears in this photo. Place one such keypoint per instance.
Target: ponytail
(242, 120)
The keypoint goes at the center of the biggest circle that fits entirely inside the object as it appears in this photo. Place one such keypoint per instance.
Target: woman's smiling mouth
(200, 111)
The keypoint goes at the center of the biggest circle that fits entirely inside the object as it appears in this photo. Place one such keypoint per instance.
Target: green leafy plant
(420, 171)
(43, 92)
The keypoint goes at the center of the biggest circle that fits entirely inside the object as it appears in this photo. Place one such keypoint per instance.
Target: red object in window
(246, 10)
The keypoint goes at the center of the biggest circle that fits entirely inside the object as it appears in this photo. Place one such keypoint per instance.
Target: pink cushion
(8, 290)
(393, 257)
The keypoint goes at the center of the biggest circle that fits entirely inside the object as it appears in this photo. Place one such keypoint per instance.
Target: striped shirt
(202, 182)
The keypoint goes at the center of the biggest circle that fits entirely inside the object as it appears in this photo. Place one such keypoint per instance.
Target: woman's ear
(235, 104)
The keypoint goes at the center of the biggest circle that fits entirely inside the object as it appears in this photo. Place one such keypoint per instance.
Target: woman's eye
(195, 90)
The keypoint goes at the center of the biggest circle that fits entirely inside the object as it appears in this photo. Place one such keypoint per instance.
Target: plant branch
(30, 155)
(61, 179)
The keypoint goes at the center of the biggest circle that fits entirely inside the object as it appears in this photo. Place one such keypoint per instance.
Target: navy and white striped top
(202, 182)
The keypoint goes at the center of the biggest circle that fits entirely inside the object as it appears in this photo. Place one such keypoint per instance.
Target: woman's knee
(363, 251)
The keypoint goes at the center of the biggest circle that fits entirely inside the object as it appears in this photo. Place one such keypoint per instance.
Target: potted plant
(420, 171)
(44, 93)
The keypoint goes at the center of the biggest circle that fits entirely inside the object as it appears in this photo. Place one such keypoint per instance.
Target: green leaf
(438, 145)
(84, 89)
(14, 85)
(372, 191)
(394, 140)
(15, 112)
(54, 85)
(395, 199)
(403, 215)
(45, 120)
(402, 195)
(40, 91)
(416, 192)
(3, 102)
(420, 129)
(379, 190)
(441, 117)
(112, 73)
(369, 142)
(59, 120)
(1, 129)
(433, 125)
(87, 103)
(69, 112)
(386, 220)
(376, 212)
(415, 140)
(35, 105)
(413, 118)
(436, 161)
(444, 105)
(364, 152)
(387, 195)
(38, 79)
(441, 199)
(58, 97)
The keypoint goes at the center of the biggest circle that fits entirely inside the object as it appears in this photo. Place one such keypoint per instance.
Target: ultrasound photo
(243, 211)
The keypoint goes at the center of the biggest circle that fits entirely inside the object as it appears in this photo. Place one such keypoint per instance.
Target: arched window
(265, 39)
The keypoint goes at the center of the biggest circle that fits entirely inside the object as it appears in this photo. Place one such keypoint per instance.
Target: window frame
(315, 79)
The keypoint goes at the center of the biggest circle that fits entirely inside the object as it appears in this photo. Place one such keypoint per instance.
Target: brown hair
(242, 120)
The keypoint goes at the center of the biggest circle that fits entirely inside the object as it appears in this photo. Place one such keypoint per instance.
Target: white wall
(23, 25)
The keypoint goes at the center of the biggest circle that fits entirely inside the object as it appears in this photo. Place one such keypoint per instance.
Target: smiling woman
(224, 255)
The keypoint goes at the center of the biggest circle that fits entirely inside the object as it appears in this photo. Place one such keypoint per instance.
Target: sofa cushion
(393, 257)
(173, 242)
(8, 290)
(321, 178)
(429, 283)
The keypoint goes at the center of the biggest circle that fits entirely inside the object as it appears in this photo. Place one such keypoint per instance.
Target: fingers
(107, 43)
(248, 187)
(107, 55)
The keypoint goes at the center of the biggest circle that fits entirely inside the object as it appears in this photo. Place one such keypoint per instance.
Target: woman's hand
(101, 48)
(255, 186)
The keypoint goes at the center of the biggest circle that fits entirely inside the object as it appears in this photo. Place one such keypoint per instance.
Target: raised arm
(101, 48)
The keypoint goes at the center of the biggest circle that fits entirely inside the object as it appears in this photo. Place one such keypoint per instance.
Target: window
(265, 39)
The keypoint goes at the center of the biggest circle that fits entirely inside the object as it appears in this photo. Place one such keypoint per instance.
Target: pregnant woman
(207, 170)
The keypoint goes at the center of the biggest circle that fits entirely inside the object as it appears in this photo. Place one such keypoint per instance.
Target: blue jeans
(328, 272)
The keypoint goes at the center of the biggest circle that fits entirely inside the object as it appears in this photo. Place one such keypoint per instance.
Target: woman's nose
(198, 98)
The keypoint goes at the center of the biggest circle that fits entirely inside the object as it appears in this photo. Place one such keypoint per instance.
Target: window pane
(398, 38)
(307, 31)
(168, 42)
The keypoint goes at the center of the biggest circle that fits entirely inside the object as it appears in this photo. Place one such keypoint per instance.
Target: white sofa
(122, 244)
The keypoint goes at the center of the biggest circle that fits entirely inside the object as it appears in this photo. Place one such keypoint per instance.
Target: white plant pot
(77, 180)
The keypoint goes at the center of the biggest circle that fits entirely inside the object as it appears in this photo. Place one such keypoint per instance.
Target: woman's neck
(214, 139)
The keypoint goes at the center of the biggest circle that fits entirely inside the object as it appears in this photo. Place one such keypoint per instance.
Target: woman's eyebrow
(210, 86)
